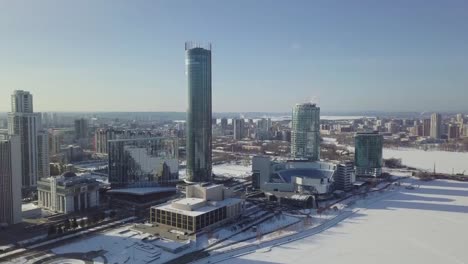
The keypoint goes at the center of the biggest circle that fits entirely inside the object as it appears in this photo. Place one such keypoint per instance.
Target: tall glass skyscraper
(436, 125)
(368, 154)
(305, 135)
(198, 71)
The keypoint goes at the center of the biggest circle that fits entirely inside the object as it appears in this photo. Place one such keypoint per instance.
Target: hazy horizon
(120, 56)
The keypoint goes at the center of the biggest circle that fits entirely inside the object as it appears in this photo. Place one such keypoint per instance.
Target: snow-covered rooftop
(210, 206)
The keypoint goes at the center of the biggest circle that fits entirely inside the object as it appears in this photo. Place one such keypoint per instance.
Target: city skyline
(347, 57)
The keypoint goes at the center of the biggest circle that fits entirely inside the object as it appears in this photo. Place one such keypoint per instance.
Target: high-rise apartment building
(436, 125)
(26, 124)
(81, 128)
(101, 136)
(453, 131)
(43, 159)
(264, 124)
(426, 127)
(21, 102)
(10, 181)
(461, 122)
(198, 140)
(224, 124)
(55, 141)
(460, 118)
(305, 134)
(368, 154)
(239, 127)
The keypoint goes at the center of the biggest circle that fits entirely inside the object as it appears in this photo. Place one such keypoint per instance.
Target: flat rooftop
(190, 201)
(210, 206)
(312, 173)
(142, 191)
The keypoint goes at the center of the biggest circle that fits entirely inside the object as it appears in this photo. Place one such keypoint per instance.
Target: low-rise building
(68, 193)
(139, 200)
(345, 176)
(204, 207)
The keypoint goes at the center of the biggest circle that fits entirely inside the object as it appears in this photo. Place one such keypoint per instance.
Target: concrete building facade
(43, 152)
(239, 128)
(81, 128)
(345, 176)
(26, 124)
(10, 181)
(426, 127)
(68, 193)
(204, 207)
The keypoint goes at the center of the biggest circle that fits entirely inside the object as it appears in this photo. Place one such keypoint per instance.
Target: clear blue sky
(114, 55)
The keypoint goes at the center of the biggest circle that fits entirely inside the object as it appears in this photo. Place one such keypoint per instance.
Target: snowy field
(226, 169)
(426, 225)
(445, 161)
(121, 245)
(232, 170)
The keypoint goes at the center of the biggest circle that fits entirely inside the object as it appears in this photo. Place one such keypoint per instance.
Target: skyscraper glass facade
(198, 142)
(143, 162)
(368, 154)
(305, 135)
(436, 125)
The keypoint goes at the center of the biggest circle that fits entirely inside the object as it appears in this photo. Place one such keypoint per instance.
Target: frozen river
(426, 225)
(444, 161)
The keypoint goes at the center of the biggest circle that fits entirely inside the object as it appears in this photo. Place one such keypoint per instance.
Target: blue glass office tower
(368, 154)
(198, 71)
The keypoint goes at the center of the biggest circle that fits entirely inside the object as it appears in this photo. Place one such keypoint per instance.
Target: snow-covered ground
(32, 211)
(263, 232)
(425, 225)
(227, 169)
(122, 245)
(232, 170)
(444, 161)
